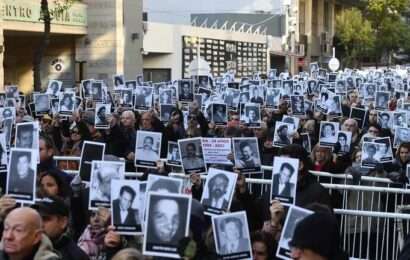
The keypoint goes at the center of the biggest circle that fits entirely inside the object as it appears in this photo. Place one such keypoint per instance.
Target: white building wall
(163, 44)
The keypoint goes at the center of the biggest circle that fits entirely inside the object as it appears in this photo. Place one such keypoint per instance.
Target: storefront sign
(29, 11)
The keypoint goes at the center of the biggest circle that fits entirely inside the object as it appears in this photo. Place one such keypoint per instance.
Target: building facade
(169, 49)
(88, 40)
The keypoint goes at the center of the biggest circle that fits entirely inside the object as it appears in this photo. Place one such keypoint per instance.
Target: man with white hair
(23, 237)
(351, 125)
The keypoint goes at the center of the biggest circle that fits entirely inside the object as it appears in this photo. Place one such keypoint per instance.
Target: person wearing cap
(323, 245)
(23, 237)
(55, 216)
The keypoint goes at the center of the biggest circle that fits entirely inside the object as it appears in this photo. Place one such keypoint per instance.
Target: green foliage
(356, 35)
(377, 30)
(390, 29)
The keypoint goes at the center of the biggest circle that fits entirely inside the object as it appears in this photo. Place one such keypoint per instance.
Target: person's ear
(63, 221)
(37, 236)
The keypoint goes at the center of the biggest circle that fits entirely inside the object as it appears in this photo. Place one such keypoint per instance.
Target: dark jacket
(310, 191)
(68, 249)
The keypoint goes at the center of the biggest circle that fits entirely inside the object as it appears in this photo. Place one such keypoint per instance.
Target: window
(157, 75)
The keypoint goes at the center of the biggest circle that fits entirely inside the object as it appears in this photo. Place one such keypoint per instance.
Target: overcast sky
(178, 11)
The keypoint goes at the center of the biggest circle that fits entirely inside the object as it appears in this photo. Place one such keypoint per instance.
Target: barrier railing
(371, 225)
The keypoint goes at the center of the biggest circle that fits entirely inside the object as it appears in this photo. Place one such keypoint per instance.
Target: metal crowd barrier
(373, 223)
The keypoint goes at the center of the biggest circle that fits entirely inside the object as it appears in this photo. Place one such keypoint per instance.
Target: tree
(390, 29)
(355, 34)
(46, 16)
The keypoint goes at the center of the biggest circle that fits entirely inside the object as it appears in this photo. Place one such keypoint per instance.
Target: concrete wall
(108, 48)
(18, 60)
(163, 44)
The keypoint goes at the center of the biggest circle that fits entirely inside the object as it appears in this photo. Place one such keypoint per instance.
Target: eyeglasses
(74, 132)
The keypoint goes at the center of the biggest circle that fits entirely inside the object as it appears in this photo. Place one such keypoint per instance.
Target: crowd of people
(148, 186)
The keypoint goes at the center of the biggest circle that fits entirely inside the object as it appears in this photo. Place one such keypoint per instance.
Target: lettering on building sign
(17, 11)
(29, 11)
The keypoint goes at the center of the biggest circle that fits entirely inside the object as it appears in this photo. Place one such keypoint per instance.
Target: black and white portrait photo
(231, 235)
(97, 90)
(143, 98)
(86, 88)
(294, 216)
(251, 115)
(219, 114)
(244, 97)
(284, 179)
(168, 217)
(90, 151)
(165, 112)
(272, 74)
(118, 81)
(192, 155)
(246, 154)
(402, 134)
(399, 119)
(130, 84)
(185, 91)
(340, 88)
(283, 134)
(21, 174)
(125, 215)
(287, 88)
(27, 135)
(314, 67)
(293, 120)
(218, 191)
(344, 140)
(297, 105)
(54, 88)
(385, 154)
(164, 184)
(231, 98)
(165, 96)
(369, 152)
(54, 104)
(313, 87)
(102, 173)
(298, 90)
(102, 114)
(334, 105)
(385, 120)
(328, 133)
(257, 94)
(369, 91)
(4, 147)
(173, 156)
(206, 94)
(126, 98)
(272, 97)
(41, 103)
(66, 103)
(147, 149)
(382, 100)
